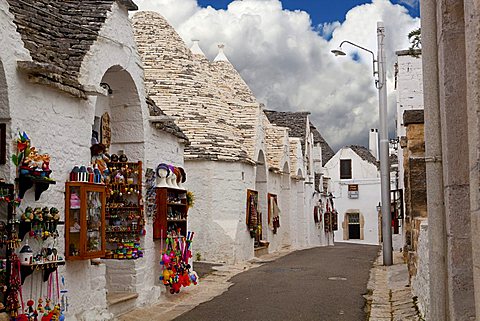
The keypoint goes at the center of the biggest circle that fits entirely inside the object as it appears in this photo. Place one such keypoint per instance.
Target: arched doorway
(118, 124)
(123, 107)
(285, 217)
(300, 211)
(4, 124)
(261, 188)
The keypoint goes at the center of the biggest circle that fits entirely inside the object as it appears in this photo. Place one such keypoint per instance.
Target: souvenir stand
(170, 226)
(124, 216)
(36, 228)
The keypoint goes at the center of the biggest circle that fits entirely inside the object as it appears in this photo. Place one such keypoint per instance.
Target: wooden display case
(172, 212)
(124, 211)
(84, 220)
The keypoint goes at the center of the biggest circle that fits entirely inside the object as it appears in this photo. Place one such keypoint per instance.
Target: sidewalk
(390, 297)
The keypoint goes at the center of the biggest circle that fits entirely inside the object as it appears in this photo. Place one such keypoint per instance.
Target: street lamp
(381, 85)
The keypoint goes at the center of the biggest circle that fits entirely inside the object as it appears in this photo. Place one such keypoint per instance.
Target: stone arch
(300, 217)
(124, 109)
(4, 117)
(261, 188)
(123, 106)
(4, 104)
(285, 207)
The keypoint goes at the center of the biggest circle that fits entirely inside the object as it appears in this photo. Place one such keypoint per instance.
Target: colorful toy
(176, 270)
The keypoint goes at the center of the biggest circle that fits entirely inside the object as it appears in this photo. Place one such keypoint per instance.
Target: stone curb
(389, 296)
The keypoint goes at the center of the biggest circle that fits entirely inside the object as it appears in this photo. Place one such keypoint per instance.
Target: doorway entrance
(354, 226)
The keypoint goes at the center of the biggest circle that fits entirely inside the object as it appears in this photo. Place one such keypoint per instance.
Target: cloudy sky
(282, 50)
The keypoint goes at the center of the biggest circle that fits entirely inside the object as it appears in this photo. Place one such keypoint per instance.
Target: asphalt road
(322, 284)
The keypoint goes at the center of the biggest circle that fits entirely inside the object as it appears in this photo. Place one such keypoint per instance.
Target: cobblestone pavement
(390, 297)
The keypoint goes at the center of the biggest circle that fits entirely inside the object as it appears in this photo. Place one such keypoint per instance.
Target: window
(345, 169)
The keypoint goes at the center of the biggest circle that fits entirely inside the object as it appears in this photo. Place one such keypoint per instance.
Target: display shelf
(172, 212)
(26, 227)
(124, 210)
(85, 224)
(46, 267)
(25, 182)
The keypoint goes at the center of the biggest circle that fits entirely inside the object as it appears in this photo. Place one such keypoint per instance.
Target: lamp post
(381, 85)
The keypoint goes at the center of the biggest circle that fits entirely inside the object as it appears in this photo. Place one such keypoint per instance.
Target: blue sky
(286, 60)
(320, 10)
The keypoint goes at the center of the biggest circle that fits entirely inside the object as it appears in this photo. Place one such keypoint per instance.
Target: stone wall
(415, 184)
(421, 280)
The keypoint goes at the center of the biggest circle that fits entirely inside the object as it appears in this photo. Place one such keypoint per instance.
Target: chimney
(221, 55)
(195, 48)
(373, 142)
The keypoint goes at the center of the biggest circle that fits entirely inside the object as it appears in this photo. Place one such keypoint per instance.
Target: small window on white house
(345, 169)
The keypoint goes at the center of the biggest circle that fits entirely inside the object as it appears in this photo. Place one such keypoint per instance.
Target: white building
(409, 89)
(53, 59)
(355, 182)
(234, 149)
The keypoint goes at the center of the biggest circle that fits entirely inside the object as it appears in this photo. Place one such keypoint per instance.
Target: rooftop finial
(195, 49)
(221, 55)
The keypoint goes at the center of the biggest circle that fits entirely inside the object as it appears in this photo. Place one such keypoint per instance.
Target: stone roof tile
(365, 154)
(58, 35)
(197, 92)
(327, 151)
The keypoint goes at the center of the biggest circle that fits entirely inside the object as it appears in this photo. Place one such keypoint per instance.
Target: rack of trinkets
(124, 209)
(37, 225)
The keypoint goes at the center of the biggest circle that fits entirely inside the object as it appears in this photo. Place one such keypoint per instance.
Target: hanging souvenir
(176, 269)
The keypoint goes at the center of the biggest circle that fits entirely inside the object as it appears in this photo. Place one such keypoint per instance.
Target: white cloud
(289, 66)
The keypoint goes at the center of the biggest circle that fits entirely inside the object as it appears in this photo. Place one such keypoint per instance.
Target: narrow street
(324, 283)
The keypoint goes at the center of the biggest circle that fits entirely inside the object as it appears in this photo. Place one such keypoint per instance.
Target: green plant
(198, 256)
(190, 199)
(415, 39)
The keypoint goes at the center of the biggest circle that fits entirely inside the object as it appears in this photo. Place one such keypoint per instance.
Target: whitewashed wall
(409, 96)
(218, 217)
(366, 176)
(61, 125)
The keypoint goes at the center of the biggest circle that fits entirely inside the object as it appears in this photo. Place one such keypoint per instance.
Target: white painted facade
(409, 90)
(61, 125)
(366, 176)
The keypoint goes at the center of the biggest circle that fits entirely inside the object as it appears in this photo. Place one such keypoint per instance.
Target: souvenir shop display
(170, 176)
(124, 215)
(174, 260)
(150, 197)
(29, 237)
(171, 202)
(33, 167)
(273, 213)
(84, 220)
(253, 217)
(330, 217)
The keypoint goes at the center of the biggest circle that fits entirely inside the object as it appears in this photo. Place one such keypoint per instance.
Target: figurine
(55, 213)
(46, 214)
(46, 163)
(38, 214)
(40, 309)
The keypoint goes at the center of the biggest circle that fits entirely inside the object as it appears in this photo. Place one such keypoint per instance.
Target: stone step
(121, 302)
(261, 250)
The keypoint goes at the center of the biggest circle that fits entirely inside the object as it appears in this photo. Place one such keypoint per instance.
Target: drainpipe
(437, 246)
